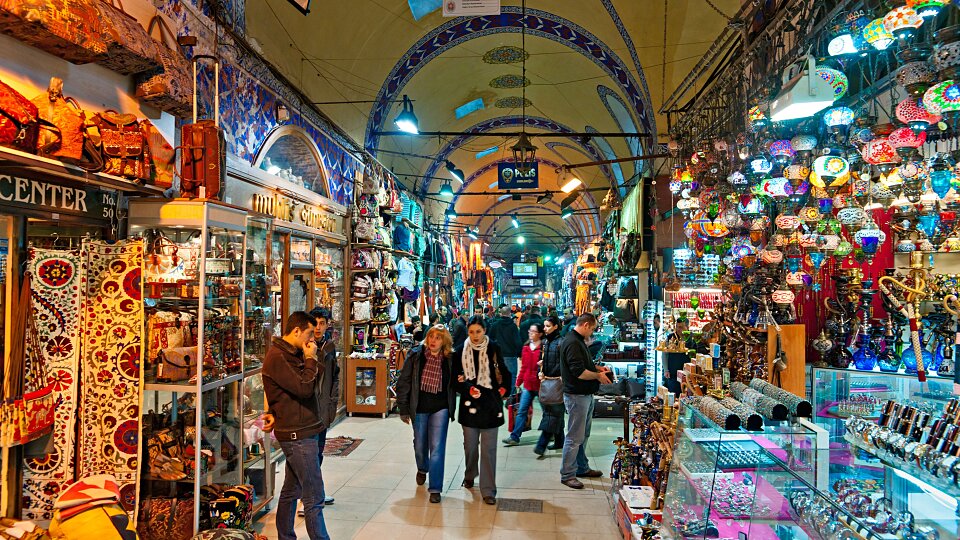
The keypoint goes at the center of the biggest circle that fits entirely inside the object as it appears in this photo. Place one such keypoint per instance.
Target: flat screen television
(528, 283)
(521, 270)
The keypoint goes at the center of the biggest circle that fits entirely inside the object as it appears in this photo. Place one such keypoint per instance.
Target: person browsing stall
(528, 379)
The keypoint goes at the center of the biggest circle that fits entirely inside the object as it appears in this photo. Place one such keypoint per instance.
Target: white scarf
(470, 368)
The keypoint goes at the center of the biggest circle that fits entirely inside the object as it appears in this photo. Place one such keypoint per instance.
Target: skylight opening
(468, 108)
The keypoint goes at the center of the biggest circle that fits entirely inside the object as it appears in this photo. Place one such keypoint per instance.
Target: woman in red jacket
(529, 378)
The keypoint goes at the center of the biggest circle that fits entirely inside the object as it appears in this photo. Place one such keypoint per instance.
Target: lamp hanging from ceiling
(524, 152)
(446, 190)
(456, 173)
(406, 121)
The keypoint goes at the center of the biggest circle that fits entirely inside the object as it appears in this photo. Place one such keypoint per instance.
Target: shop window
(291, 154)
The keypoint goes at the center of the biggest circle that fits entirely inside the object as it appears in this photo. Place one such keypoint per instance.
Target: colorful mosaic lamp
(914, 114)
(836, 79)
(838, 119)
(877, 35)
(943, 98)
(927, 8)
(902, 22)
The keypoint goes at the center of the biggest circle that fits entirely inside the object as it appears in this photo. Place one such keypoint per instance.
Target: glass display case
(883, 477)
(195, 302)
(732, 483)
(366, 383)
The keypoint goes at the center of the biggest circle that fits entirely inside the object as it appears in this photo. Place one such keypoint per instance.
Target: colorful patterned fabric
(112, 327)
(55, 277)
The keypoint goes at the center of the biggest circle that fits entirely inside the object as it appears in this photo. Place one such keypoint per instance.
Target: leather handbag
(20, 123)
(124, 147)
(130, 49)
(162, 155)
(177, 364)
(70, 120)
(551, 388)
(165, 518)
(168, 86)
(70, 29)
(204, 153)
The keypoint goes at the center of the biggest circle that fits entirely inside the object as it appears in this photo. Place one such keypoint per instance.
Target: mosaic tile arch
(618, 110)
(538, 23)
(497, 123)
(553, 145)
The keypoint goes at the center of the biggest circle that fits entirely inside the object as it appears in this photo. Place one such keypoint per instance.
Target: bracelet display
(749, 418)
(767, 406)
(797, 405)
(714, 410)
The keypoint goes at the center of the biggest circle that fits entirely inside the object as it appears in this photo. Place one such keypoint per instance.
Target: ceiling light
(571, 185)
(446, 190)
(472, 233)
(566, 212)
(566, 207)
(451, 213)
(545, 198)
(803, 96)
(521, 240)
(562, 259)
(515, 221)
(406, 121)
(524, 153)
(548, 258)
(456, 173)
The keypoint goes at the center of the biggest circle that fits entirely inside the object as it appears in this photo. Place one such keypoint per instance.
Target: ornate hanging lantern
(912, 112)
(836, 79)
(902, 22)
(906, 142)
(927, 8)
(880, 153)
(943, 98)
(877, 35)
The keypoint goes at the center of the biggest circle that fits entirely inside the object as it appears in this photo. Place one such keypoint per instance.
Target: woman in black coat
(551, 425)
(482, 380)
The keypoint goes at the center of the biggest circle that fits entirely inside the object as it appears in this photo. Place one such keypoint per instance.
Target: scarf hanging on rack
(470, 368)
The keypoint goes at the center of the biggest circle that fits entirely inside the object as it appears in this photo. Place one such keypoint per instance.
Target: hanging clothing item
(408, 274)
(582, 304)
(394, 309)
(476, 259)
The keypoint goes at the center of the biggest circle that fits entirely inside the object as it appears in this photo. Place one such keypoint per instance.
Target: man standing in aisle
(505, 334)
(534, 318)
(328, 379)
(581, 379)
(458, 329)
(290, 373)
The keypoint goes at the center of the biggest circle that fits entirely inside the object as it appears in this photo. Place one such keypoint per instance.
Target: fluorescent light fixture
(841, 45)
(566, 212)
(484, 153)
(571, 185)
(468, 108)
(494, 184)
(545, 198)
(446, 190)
(456, 173)
(515, 221)
(451, 213)
(521, 240)
(547, 258)
(504, 197)
(472, 233)
(803, 96)
(566, 207)
(406, 121)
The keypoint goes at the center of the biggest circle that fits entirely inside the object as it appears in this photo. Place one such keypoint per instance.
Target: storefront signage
(57, 199)
(510, 177)
(470, 8)
(287, 209)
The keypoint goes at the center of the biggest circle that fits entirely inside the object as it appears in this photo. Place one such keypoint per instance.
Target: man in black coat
(458, 329)
(505, 334)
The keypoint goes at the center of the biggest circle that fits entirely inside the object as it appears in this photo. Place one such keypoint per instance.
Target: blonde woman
(425, 396)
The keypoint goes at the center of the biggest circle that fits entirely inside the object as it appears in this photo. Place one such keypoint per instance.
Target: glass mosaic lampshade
(942, 98)
(941, 181)
(838, 118)
(877, 35)
(879, 151)
(803, 143)
(836, 79)
(907, 138)
(912, 112)
(902, 22)
(782, 151)
(927, 8)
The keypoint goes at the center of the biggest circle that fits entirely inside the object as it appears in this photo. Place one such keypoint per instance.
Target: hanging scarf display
(112, 327)
(55, 278)
(470, 368)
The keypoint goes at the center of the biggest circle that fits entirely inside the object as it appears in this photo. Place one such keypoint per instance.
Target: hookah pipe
(912, 297)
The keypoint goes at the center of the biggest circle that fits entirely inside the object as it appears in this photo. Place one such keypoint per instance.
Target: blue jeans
(520, 422)
(579, 420)
(511, 363)
(302, 480)
(430, 446)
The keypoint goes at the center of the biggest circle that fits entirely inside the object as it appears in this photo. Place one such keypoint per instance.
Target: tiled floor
(377, 497)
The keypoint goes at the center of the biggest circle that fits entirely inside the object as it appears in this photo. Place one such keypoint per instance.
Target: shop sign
(287, 209)
(34, 194)
(470, 8)
(510, 177)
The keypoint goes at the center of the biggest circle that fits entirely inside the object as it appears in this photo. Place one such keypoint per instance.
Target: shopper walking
(508, 338)
(328, 379)
(528, 380)
(551, 424)
(534, 318)
(581, 379)
(290, 372)
(482, 381)
(458, 329)
(425, 396)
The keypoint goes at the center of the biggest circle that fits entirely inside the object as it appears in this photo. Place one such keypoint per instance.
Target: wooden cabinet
(366, 384)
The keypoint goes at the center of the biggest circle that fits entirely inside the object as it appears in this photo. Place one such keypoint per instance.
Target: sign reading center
(510, 177)
(287, 209)
(38, 195)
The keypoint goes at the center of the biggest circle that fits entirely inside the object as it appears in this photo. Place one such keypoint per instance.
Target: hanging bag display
(70, 29)
(162, 155)
(203, 153)
(130, 49)
(125, 150)
(20, 123)
(167, 87)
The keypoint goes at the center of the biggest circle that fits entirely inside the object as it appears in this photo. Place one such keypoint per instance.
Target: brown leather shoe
(591, 474)
(490, 500)
(467, 483)
(434, 498)
(572, 483)
(421, 478)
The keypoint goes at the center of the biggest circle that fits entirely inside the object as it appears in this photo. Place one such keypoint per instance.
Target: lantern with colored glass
(836, 79)
(941, 175)
(870, 238)
(830, 172)
(877, 35)
(838, 119)
(902, 22)
(943, 99)
(804, 144)
(914, 114)
(881, 154)
(906, 142)
(738, 181)
(916, 74)
(758, 120)
(927, 8)
(796, 174)
(782, 152)
(760, 165)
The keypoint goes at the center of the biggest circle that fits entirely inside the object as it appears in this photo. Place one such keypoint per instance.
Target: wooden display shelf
(793, 340)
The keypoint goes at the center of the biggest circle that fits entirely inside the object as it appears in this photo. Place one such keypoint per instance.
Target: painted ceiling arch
(586, 225)
(511, 20)
(574, 225)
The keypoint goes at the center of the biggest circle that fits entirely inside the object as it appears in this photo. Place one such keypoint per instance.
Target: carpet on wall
(112, 328)
(55, 277)
(341, 446)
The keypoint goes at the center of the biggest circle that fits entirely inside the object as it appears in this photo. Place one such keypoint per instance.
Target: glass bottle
(865, 359)
(909, 358)
(889, 357)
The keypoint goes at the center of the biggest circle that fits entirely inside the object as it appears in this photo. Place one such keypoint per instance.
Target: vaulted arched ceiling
(591, 66)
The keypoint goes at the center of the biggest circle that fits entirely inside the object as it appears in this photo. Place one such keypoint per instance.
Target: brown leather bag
(130, 49)
(70, 29)
(124, 147)
(167, 87)
(165, 518)
(162, 155)
(67, 116)
(20, 122)
(203, 148)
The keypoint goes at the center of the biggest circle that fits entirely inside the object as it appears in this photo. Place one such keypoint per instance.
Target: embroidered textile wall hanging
(112, 327)
(55, 286)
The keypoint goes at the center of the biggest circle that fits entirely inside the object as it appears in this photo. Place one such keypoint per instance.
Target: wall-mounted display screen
(524, 270)
(528, 283)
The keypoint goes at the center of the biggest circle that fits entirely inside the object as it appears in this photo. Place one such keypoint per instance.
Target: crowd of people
(462, 368)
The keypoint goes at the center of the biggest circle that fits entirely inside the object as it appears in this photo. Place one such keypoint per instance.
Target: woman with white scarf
(482, 382)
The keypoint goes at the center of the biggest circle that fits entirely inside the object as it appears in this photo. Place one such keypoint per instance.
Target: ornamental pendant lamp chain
(524, 153)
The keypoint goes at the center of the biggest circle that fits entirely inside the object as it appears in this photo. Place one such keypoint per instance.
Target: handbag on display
(162, 262)
(165, 518)
(69, 118)
(125, 150)
(365, 230)
(162, 156)
(20, 123)
(167, 87)
(130, 49)
(177, 364)
(70, 29)
(203, 164)
(371, 183)
(628, 289)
